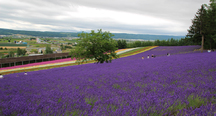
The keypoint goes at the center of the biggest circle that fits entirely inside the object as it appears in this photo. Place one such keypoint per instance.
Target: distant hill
(74, 34)
(145, 36)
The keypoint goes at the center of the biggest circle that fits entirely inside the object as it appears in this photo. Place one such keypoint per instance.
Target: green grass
(73, 113)
(90, 101)
(59, 100)
(174, 109)
(40, 45)
(194, 102)
(116, 86)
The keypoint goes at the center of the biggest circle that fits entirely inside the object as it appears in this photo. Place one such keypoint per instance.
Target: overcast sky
(160, 17)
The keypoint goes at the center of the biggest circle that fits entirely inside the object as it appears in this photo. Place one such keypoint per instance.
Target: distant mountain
(37, 33)
(145, 36)
(74, 34)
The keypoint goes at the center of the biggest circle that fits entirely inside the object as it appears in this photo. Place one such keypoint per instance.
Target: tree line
(121, 44)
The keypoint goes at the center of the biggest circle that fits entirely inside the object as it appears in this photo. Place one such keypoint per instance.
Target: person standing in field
(142, 57)
(152, 55)
(1, 76)
(148, 57)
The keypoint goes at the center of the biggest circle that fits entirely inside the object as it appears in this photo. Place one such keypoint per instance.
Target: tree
(11, 54)
(99, 46)
(121, 44)
(199, 26)
(1, 55)
(21, 52)
(62, 47)
(211, 23)
(203, 29)
(48, 50)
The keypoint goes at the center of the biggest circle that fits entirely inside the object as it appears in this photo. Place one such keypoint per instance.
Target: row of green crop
(12, 44)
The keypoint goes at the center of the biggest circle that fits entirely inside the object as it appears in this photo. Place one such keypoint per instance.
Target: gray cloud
(53, 15)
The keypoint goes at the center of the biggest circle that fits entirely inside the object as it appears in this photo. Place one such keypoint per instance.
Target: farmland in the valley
(180, 84)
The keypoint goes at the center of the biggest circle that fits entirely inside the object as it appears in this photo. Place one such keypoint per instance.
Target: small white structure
(1, 76)
(25, 73)
(209, 50)
(19, 42)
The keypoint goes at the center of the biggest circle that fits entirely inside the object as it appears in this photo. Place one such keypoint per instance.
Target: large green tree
(48, 50)
(98, 46)
(211, 23)
(21, 52)
(198, 29)
(122, 44)
(203, 29)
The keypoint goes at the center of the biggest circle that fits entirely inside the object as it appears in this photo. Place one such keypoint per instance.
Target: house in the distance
(58, 50)
(38, 40)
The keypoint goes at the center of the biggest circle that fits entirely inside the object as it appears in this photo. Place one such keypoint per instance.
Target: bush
(48, 50)
(21, 52)
(68, 47)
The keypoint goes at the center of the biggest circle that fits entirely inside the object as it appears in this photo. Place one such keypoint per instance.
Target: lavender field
(181, 84)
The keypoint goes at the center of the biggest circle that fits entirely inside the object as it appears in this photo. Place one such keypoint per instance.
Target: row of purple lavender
(181, 84)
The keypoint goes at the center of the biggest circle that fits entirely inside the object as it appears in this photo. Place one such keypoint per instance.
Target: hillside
(74, 34)
(179, 85)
